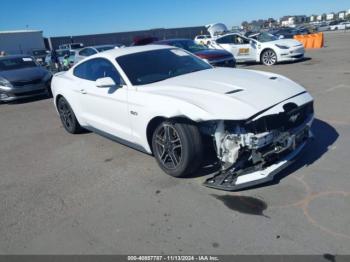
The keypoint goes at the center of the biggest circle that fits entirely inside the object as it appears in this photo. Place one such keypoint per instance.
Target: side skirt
(117, 139)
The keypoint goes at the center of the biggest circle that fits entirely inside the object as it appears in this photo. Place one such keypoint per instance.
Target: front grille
(28, 82)
(284, 121)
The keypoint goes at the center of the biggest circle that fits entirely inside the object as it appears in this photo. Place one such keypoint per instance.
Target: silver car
(22, 77)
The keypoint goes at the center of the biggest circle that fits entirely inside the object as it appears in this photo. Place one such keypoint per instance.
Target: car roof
(239, 34)
(97, 46)
(173, 40)
(114, 53)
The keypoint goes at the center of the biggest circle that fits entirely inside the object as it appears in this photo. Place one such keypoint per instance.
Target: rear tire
(68, 118)
(177, 148)
(268, 57)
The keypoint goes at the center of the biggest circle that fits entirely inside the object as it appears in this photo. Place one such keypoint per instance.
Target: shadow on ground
(247, 64)
(28, 100)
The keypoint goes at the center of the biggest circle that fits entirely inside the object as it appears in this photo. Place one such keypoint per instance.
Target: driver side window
(225, 40)
(97, 68)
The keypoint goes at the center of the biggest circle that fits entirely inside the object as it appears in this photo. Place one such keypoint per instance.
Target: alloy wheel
(65, 114)
(269, 57)
(168, 146)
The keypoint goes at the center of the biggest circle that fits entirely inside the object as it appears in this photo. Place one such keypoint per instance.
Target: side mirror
(105, 82)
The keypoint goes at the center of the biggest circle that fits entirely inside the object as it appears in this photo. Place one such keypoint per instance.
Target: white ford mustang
(261, 47)
(169, 103)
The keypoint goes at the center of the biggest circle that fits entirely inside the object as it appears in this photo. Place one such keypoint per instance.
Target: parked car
(91, 50)
(202, 39)
(143, 40)
(169, 103)
(22, 77)
(261, 47)
(322, 27)
(285, 33)
(212, 56)
(61, 53)
(71, 46)
(340, 26)
(39, 55)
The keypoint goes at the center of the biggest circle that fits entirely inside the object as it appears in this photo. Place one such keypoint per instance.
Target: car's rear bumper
(23, 92)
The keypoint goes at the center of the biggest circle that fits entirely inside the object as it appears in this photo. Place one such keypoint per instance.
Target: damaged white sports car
(169, 103)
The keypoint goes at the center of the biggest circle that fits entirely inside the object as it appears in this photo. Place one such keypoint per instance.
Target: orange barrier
(311, 40)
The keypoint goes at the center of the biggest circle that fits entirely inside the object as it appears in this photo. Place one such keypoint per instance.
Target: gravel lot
(84, 194)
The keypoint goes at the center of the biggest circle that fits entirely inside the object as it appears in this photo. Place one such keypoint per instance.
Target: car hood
(24, 74)
(225, 93)
(212, 54)
(286, 42)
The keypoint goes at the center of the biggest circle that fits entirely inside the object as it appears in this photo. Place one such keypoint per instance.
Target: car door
(242, 48)
(103, 108)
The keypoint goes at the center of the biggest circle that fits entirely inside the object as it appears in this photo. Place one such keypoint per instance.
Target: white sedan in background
(169, 103)
(91, 50)
(202, 39)
(340, 26)
(262, 47)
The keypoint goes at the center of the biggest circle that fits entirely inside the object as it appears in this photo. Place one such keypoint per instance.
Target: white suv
(202, 39)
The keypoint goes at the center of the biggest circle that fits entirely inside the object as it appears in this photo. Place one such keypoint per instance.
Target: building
(21, 41)
(293, 20)
(313, 18)
(342, 15)
(126, 38)
(330, 16)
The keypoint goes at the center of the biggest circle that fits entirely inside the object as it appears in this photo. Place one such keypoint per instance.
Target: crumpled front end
(251, 152)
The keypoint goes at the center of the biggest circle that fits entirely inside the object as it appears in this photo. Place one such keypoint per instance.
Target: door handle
(82, 91)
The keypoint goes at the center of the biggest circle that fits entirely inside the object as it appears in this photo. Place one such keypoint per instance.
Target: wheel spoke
(167, 133)
(160, 141)
(164, 156)
(173, 159)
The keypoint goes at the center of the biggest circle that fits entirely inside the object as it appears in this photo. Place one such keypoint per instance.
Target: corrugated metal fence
(126, 38)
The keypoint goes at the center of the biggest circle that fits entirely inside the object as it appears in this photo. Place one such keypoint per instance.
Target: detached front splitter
(230, 181)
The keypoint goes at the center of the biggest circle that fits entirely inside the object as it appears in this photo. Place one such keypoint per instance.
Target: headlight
(282, 46)
(5, 84)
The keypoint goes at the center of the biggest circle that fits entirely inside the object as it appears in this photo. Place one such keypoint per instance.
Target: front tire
(269, 57)
(68, 118)
(177, 148)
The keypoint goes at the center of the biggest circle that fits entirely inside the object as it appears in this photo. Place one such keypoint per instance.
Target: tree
(245, 24)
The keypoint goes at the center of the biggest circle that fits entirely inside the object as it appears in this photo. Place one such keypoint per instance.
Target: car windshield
(188, 45)
(264, 37)
(157, 65)
(104, 48)
(16, 63)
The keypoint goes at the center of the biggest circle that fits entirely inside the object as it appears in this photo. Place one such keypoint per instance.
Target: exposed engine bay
(252, 146)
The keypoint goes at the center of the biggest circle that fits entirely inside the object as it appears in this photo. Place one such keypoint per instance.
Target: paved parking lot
(84, 194)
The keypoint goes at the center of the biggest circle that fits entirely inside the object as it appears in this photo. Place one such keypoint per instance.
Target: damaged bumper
(231, 182)
(234, 179)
